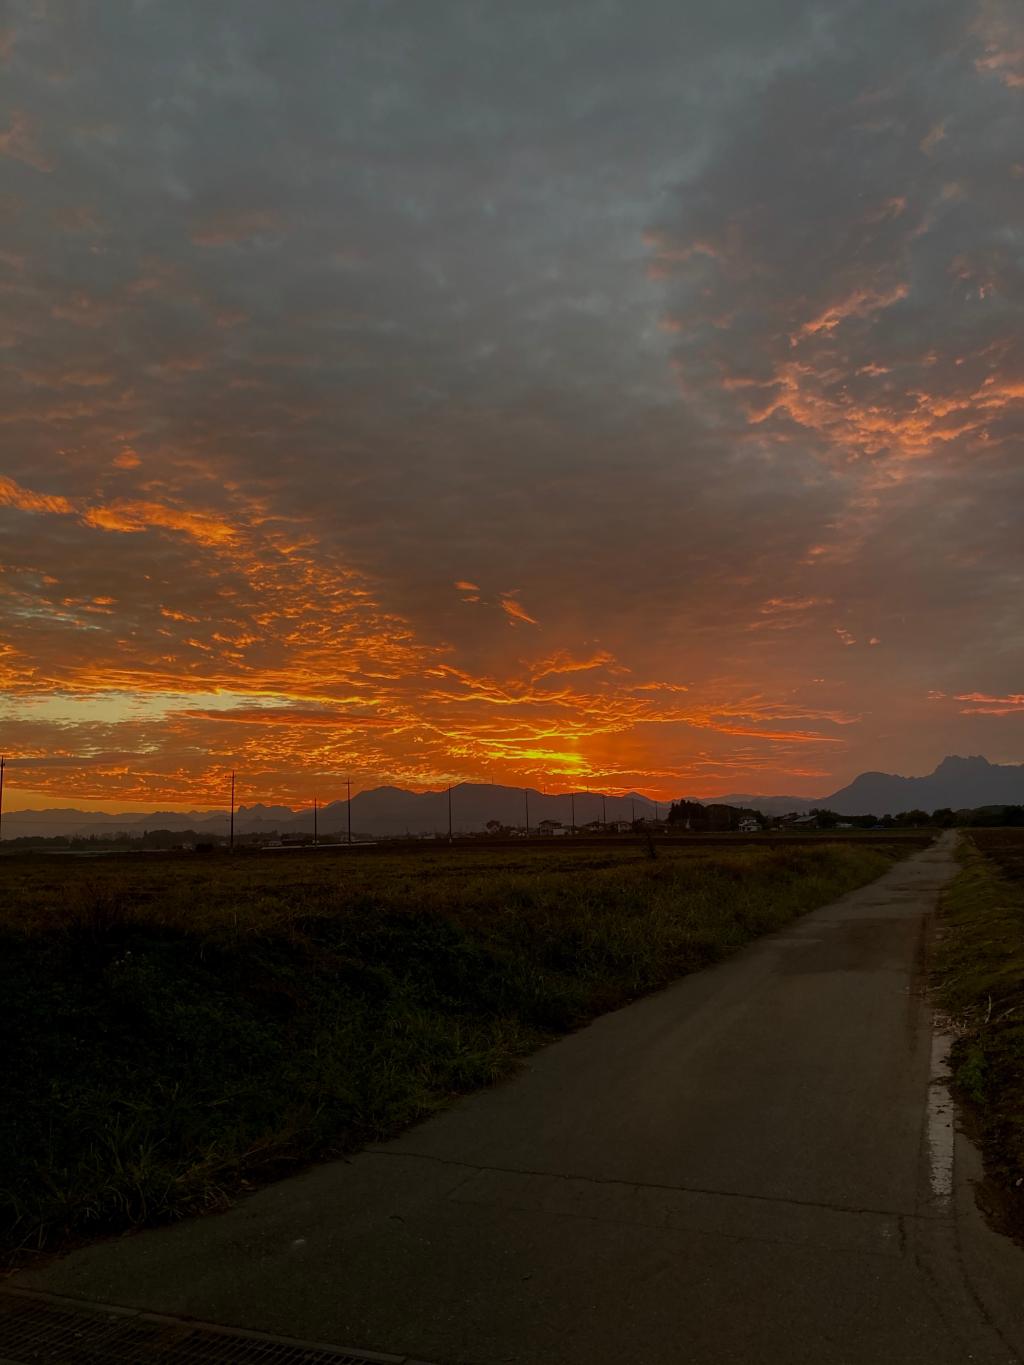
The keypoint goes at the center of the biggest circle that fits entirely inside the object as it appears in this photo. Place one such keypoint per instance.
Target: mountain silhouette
(376, 811)
(959, 783)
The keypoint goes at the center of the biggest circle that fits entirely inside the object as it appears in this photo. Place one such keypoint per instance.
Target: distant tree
(722, 817)
(913, 819)
(826, 819)
(688, 814)
(988, 817)
(23, 841)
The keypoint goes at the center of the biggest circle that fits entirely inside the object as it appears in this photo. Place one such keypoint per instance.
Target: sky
(617, 393)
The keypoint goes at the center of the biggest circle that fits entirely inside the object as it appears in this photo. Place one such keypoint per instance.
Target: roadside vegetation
(980, 985)
(177, 1030)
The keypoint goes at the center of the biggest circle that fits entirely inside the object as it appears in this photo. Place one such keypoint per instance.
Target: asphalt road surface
(754, 1165)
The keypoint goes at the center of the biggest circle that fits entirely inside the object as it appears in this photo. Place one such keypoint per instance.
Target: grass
(177, 1030)
(980, 985)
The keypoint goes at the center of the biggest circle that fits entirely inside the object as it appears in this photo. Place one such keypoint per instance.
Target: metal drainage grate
(40, 1330)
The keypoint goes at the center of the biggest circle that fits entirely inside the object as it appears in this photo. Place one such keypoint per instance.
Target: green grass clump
(177, 1030)
(980, 984)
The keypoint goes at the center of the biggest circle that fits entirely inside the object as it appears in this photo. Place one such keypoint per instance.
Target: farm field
(180, 1028)
(980, 981)
(1005, 849)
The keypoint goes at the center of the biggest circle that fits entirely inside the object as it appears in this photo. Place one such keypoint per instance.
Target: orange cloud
(1001, 30)
(292, 716)
(984, 705)
(129, 517)
(860, 303)
(13, 495)
(563, 662)
(786, 613)
(516, 610)
(1008, 66)
(908, 425)
(789, 736)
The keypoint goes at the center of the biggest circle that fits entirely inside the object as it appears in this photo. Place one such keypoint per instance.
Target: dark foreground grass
(980, 984)
(176, 1031)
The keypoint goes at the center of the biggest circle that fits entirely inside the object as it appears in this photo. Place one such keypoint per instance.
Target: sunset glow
(581, 398)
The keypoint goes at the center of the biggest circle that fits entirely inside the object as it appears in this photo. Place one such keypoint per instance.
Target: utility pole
(3, 761)
(231, 837)
(632, 812)
(572, 811)
(526, 795)
(604, 810)
(348, 806)
(449, 812)
(315, 838)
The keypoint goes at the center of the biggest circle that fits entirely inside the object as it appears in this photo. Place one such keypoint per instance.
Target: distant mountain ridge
(959, 783)
(376, 811)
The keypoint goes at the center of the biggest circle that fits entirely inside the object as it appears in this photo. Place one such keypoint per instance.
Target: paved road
(738, 1169)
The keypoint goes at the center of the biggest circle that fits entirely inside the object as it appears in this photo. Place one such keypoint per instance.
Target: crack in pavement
(653, 1185)
(688, 1229)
